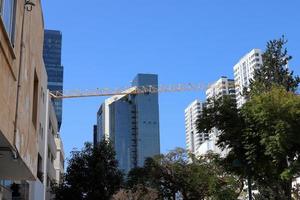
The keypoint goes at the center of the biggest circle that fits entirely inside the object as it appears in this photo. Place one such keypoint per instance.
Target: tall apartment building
(220, 88)
(131, 123)
(194, 138)
(200, 143)
(244, 72)
(223, 86)
(55, 70)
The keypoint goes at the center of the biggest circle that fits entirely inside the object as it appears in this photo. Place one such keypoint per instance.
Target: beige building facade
(22, 73)
(30, 146)
(50, 155)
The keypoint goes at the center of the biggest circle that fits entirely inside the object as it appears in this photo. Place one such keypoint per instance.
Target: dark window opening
(40, 168)
(35, 99)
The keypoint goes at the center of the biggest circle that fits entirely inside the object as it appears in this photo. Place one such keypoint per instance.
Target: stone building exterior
(22, 73)
(29, 141)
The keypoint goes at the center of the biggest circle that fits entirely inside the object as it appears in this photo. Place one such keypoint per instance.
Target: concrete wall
(26, 138)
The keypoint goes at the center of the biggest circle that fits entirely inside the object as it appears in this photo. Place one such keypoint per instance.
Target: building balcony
(12, 164)
(59, 146)
(51, 170)
(52, 144)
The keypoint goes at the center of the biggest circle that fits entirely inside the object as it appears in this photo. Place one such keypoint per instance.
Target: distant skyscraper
(244, 72)
(131, 123)
(194, 138)
(55, 71)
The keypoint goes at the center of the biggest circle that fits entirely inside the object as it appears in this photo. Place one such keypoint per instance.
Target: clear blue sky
(107, 42)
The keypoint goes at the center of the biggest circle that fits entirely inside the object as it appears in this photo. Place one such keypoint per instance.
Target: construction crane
(129, 90)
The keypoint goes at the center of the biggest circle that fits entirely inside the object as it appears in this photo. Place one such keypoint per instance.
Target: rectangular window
(40, 168)
(7, 12)
(41, 131)
(35, 99)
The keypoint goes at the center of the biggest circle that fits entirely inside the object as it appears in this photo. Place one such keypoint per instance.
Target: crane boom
(124, 91)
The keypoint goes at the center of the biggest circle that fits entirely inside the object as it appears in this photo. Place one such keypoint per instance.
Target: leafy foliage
(263, 136)
(179, 174)
(137, 192)
(91, 174)
(275, 71)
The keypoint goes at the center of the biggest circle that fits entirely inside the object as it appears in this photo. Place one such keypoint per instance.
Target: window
(35, 99)
(48, 181)
(40, 168)
(43, 94)
(7, 12)
(41, 130)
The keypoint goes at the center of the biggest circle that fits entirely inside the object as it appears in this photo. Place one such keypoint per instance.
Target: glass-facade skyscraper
(131, 123)
(55, 71)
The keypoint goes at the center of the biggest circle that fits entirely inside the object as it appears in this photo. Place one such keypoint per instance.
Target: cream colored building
(50, 156)
(22, 75)
(28, 127)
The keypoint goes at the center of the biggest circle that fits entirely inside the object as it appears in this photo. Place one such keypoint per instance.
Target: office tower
(244, 72)
(131, 123)
(194, 138)
(55, 71)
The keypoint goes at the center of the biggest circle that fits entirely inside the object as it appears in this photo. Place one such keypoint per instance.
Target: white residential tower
(244, 72)
(223, 86)
(193, 137)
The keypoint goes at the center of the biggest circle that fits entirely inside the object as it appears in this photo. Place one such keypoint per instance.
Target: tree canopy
(263, 136)
(178, 174)
(91, 174)
(275, 70)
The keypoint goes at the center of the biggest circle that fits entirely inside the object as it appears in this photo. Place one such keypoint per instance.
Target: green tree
(262, 136)
(274, 118)
(137, 192)
(91, 174)
(179, 174)
(274, 71)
